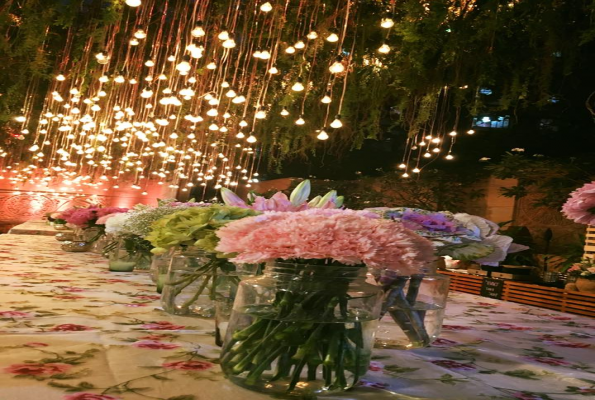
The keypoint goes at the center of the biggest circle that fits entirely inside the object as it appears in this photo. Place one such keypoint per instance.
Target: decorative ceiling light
(337, 67)
(133, 3)
(266, 7)
(322, 135)
(336, 124)
(332, 36)
(298, 86)
(198, 30)
(387, 22)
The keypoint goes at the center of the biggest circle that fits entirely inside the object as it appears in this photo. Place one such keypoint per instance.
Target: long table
(33, 228)
(71, 330)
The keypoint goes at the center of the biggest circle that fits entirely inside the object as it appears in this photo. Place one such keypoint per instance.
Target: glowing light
(223, 35)
(140, 34)
(332, 37)
(470, 132)
(133, 3)
(312, 35)
(284, 112)
(384, 49)
(290, 50)
(298, 86)
(336, 124)
(322, 135)
(273, 70)
(299, 45)
(453, 133)
(449, 157)
(260, 114)
(198, 30)
(326, 99)
(251, 139)
(300, 120)
(266, 7)
(387, 23)
(337, 67)
(60, 78)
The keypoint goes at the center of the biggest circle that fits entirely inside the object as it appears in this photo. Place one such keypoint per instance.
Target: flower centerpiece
(306, 326)
(585, 276)
(90, 221)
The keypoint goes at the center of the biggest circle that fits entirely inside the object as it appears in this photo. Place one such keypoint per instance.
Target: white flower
(115, 225)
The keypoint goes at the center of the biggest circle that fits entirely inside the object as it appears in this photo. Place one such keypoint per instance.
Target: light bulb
(332, 37)
(231, 93)
(162, 77)
(198, 30)
(402, 166)
(436, 150)
(384, 49)
(416, 170)
(101, 58)
(223, 35)
(211, 65)
(322, 135)
(266, 7)
(238, 100)
(470, 132)
(299, 45)
(171, 58)
(436, 140)
(240, 135)
(146, 93)
(312, 35)
(298, 86)
(119, 79)
(300, 120)
(260, 114)
(140, 34)
(453, 133)
(243, 123)
(265, 55)
(150, 63)
(387, 23)
(449, 157)
(405, 175)
(326, 99)
(284, 112)
(251, 139)
(134, 42)
(213, 127)
(337, 67)
(427, 155)
(60, 78)
(257, 53)
(229, 44)
(336, 124)
(290, 50)
(212, 112)
(20, 118)
(133, 3)
(273, 70)
(226, 115)
(184, 66)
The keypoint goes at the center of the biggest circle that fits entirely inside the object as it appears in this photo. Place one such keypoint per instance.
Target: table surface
(34, 228)
(71, 330)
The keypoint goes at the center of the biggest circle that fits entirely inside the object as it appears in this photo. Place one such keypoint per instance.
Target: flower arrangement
(460, 236)
(297, 201)
(584, 269)
(308, 319)
(580, 206)
(88, 217)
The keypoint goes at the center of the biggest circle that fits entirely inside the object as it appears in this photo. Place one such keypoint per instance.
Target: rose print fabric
(71, 330)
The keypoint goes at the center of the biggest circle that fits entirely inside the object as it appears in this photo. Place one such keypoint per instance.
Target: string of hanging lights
(179, 91)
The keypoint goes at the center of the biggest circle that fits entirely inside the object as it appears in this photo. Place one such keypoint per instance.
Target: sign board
(492, 288)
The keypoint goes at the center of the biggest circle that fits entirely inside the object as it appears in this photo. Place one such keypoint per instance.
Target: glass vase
(121, 259)
(99, 245)
(302, 330)
(413, 309)
(195, 282)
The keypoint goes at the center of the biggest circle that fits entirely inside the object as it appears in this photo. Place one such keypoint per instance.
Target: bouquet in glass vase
(306, 326)
(89, 223)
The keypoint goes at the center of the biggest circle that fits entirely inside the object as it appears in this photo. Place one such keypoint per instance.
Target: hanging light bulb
(211, 65)
(402, 166)
(146, 93)
(240, 135)
(322, 135)
(387, 22)
(299, 45)
(184, 66)
(150, 63)
(453, 133)
(134, 42)
(20, 118)
(251, 139)
(273, 70)
(223, 35)
(239, 100)
(336, 124)
(300, 120)
(312, 35)
(284, 112)
(260, 114)
(266, 7)
(384, 49)
(337, 67)
(416, 170)
(449, 157)
(327, 98)
(405, 175)
(119, 79)
(290, 50)
(427, 155)
(198, 30)
(332, 36)
(265, 55)
(231, 93)
(229, 43)
(101, 58)
(213, 127)
(133, 3)
(243, 123)
(60, 78)
(470, 132)
(257, 53)
(162, 77)
(140, 34)
(298, 86)
(212, 112)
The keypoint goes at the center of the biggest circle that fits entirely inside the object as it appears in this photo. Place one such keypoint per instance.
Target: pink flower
(35, 344)
(153, 344)
(555, 362)
(89, 396)
(346, 236)
(580, 206)
(36, 369)
(14, 314)
(189, 365)
(376, 366)
(278, 202)
(70, 328)
(162, 326)
(454, 365)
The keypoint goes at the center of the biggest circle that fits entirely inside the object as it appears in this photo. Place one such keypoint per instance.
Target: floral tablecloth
(71, 330)
(33, 228)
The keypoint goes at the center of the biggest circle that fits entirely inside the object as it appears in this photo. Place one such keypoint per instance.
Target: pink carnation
(580, 206)
(84, 217)
(346, 236)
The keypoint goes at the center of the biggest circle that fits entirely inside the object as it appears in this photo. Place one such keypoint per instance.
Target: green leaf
(522, 373)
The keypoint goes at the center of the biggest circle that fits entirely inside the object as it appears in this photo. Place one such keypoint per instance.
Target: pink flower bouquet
(313, 308)
(91, 217)
(580, 206)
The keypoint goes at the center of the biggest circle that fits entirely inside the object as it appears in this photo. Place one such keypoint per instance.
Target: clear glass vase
(302, 330)
(159, 269)
(99, 245)
(122, 259)
(195, 282)
(413, 309)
